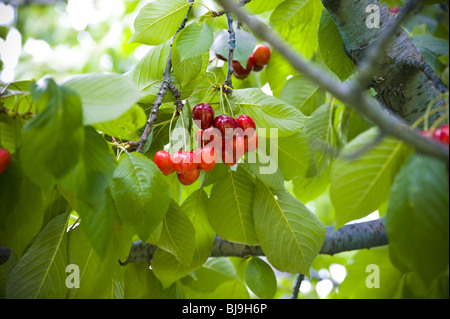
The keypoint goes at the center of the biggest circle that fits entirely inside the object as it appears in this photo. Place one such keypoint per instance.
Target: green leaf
(332, 48)
(158, 21)
(196, 208)
(100, 277)
(194, 40)
(177, 234)
(92, 174)
(369, 267)
(126, 126)
(52, 139)
(23, 222)
(361, 185)
(290, 235)
(165, 265)
(141, 283)
(140, 193)
(186, 70)
(10, 133)
(150, 69)
(295, 159)
(40, 273)
(276, 72)
(105, 96)
(231, 290)
(270, 112)
(260, 278)
(263, 6)
(303, 94)
(230, 208)
(297, 21)
(417, 220)
(245, 44)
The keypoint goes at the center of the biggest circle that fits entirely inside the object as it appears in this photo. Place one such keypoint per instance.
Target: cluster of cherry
(256, 62)
(221, 135)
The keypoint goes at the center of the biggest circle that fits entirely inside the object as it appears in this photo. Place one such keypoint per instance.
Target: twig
(297, 285)
(166, 85)
(429, 73)
(366, 106)
(232, 43)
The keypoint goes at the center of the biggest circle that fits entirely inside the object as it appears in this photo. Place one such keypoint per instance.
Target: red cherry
(204, 114)
(239, 71)
(5, 159)
(251, 143)
(224, 123)
(183, 161)
(442, 134)
(188, 177)
(395, 10)
(163, 160)
(199, 138)
(261, 55)
(246, 122)
(233, 150)
(210, 135)
(220, 57)
(206, 158)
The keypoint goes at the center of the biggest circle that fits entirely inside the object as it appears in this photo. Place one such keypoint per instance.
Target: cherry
(206, 158)
(183, 161)
(260, 56)
(395, 10)
(210, 135)
(188, 177)
(245, 122)
(239, 71)
(233, 150)
(204, 114)
(5, 159)
(442, 134)
(163, 160)
(223, 123)
(251, 143)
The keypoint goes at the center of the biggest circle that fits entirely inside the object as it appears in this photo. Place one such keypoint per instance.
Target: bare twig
(365, 105)
(298, 283)
(232, 43)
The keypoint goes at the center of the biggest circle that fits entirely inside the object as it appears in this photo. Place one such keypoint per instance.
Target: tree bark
(399, 80)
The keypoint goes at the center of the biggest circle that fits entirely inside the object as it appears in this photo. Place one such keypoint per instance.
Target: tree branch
(349, 237)
(232, 43)
(365, 105)
(166, 85)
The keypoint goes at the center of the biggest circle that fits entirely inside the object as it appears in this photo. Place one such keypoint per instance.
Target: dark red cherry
(203, 113)
(224, 123)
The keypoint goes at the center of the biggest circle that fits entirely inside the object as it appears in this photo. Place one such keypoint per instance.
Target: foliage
(73, 194)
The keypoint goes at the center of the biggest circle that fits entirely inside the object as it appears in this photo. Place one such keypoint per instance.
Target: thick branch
(367, 106)
(347, 238)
